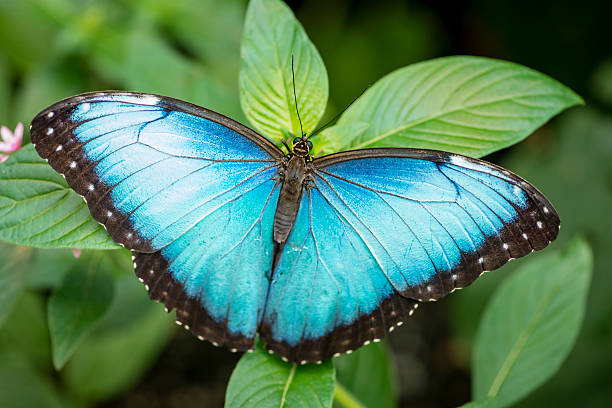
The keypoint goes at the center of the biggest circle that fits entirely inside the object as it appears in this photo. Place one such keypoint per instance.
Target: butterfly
(318, 256)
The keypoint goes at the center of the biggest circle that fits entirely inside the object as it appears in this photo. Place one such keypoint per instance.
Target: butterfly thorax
(293, 175)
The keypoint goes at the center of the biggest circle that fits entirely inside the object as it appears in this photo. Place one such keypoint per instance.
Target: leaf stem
(287, 385)
(345, 399)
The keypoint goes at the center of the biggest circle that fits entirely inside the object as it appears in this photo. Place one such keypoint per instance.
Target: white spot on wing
(539, 224)
(58, 148)
(525, 235)
(480, 260)
(49, 131)
(505, 246)
(50, 115)
(73, 165)
(459, 161)
(85, 107)
(91, 187)
(149, 100)
(545, 209)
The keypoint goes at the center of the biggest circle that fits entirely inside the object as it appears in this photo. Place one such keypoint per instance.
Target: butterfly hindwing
(379, 225)
(192, 192)
(326, 296)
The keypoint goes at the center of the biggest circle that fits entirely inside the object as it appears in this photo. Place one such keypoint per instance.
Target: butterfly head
(301, 147)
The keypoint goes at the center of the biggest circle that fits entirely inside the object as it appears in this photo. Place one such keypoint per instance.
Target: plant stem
(345, 399)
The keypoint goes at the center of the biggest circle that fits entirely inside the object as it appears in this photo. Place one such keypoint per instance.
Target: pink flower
(11, 141)
(76, 252)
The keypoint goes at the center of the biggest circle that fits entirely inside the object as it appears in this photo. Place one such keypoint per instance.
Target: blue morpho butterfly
(317, 255)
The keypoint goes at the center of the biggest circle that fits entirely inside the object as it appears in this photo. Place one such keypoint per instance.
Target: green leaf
(264, 380)
(335, 138)
(122, 347)
(37, 208)
(369, 375)
(467, 105)
(13, 275)
(78, 304)
(531, 324)
(271, 36)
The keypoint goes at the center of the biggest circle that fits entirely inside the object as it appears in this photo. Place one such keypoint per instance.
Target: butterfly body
(317, 255)
(294, 175)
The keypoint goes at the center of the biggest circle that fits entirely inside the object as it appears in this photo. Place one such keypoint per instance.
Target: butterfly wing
(380, 227)
(190, 191)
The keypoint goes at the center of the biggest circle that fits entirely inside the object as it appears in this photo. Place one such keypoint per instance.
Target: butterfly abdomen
(289, 198)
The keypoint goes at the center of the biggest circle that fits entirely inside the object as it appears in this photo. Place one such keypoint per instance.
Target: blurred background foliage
(50, 49)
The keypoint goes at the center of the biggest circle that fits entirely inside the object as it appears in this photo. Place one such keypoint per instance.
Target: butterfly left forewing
(188, 190)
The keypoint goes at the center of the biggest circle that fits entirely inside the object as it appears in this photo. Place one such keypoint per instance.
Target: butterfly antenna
(295, 97)
(335, 118)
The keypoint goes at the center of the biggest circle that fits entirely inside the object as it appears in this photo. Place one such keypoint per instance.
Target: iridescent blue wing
(191, 192)
(380, 228)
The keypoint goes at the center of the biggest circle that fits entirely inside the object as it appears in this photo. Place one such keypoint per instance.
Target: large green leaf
(369, 375)
(531, 324)
(37, 208)
(467, 105)
(265, 381)
(77, 304)
(123, 346)
(271, 36)
(13, 273)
